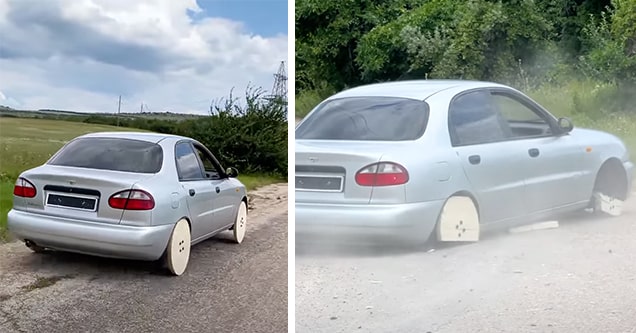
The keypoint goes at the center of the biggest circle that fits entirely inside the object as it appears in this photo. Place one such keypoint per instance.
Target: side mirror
(565, 124)
(231, 172)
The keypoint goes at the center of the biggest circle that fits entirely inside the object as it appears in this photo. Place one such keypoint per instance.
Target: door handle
(192, 192)
(218, 189)
(533, 152)
(474, 159)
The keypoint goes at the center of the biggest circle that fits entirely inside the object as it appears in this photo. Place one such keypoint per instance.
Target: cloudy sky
(171, 55)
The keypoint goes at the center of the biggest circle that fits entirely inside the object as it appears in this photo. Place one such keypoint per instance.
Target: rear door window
(188, 165)
(111, 154)
(366, 119)
(474, 119)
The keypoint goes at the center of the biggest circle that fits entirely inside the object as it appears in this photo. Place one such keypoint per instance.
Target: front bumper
(412, 223)
(99, 239)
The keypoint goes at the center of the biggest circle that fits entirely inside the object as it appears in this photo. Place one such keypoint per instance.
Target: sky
(169, 55)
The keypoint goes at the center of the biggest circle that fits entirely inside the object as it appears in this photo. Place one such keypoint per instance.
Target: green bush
(610, 45)
(580, 47)
(251, 137)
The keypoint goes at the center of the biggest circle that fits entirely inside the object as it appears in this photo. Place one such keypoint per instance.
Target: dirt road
(227, 288)
(580, 277)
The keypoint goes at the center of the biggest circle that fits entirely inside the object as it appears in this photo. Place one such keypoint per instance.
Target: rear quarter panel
(434, 168)
(434, 174)
(170, 197)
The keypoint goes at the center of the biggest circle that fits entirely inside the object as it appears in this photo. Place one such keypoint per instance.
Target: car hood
(599, 136)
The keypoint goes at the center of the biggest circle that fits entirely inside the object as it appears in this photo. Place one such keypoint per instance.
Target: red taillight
(382, 174)
(132, 200)
(24, 188)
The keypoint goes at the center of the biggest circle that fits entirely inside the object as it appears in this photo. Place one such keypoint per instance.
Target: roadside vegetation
(575, 57)
(250, 135)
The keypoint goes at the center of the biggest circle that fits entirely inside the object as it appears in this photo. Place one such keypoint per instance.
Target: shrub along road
(227, 288)
(579, 277)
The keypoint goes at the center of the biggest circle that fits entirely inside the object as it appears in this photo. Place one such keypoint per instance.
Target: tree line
(249, 135)
(524, 43)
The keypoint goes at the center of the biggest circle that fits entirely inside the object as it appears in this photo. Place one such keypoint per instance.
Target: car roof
(143, 136)
(413, 89)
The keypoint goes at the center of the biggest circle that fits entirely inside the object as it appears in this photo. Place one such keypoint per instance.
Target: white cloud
(81, 54)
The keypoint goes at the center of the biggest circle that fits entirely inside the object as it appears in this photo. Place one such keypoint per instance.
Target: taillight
(132, 200)
(24, 188)
(382, 174)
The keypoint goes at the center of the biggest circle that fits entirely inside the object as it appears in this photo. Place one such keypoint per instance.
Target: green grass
(253, 182)
(592, 105)
(27, 142)
(307, 100)
(6, 202)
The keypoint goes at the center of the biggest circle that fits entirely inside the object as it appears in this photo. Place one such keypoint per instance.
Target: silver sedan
(442, 159)
(142, 196)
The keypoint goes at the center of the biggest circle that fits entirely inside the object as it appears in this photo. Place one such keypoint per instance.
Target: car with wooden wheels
(446, 159)
(143, 196)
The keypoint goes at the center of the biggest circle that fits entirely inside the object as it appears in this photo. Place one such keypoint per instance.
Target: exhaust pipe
(34, 247)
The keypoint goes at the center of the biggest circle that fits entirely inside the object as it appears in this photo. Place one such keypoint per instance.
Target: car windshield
(111, 154)
(366, 119)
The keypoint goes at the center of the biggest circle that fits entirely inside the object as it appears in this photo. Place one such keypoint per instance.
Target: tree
(327, 36)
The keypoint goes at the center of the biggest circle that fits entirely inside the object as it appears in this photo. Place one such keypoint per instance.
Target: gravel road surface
(227, 287)
(580, 277)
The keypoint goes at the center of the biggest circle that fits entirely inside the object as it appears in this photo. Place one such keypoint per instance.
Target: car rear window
(111, 154)
(366, 119)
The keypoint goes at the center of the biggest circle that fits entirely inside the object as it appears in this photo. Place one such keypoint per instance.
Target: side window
(522, 119)
(209, 166)
(473, 119)
(188, 165)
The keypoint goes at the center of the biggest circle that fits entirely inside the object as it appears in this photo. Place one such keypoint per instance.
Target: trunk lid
(78, 193)
(326, 169)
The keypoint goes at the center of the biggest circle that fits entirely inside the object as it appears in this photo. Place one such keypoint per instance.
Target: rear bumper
(100, 239)
(412, 223)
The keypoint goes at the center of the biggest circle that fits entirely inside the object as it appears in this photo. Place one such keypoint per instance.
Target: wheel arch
(187, 219)
(466, 193)
(612, 174)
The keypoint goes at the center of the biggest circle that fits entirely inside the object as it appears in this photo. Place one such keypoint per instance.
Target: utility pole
(141, 108)
(118, 110)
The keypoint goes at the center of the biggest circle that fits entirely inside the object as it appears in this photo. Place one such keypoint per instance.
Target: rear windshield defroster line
(113, 154)
(366, 119)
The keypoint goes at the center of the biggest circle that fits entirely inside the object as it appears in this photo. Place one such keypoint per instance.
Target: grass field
(27, 143)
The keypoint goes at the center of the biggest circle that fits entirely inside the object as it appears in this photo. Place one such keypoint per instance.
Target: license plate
(319, 183)
(74, 202)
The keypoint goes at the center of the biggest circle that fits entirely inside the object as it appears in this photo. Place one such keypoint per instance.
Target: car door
(226, 195)
(553, 162)
(491, 162)
(199, 190)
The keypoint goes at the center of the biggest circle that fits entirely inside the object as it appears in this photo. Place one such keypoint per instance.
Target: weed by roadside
(255, 181)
